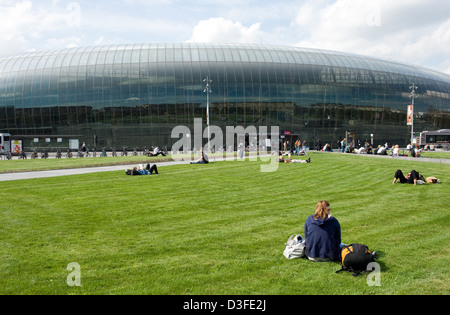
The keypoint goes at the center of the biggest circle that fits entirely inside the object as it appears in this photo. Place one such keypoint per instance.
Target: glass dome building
(134, 95)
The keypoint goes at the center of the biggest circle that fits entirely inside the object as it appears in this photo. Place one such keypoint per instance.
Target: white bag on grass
(295, 247)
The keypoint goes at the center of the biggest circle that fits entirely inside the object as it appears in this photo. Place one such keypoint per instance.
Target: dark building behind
(134, 95)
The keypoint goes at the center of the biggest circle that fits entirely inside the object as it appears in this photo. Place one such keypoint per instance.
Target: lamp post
(413, 96)
(207, 90)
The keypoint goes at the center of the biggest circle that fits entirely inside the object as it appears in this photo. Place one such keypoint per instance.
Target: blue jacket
(323, 238)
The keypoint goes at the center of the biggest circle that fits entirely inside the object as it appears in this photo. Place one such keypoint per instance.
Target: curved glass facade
(134, 95)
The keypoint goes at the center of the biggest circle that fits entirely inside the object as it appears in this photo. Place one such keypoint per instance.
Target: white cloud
(14, 21)
(23, 24)
(411, 31)
(220, 30)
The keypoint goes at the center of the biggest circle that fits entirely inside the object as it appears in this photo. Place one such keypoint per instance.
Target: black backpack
(355, 258)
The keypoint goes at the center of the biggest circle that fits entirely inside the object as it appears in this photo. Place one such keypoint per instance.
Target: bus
(5, 143)
(437, 138)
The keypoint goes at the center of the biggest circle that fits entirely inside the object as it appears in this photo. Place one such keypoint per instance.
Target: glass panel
(235, 55)
(202, 54)
(41, 62)
(219, 55)
(282, 56)
(169, 53)
(66, 60)
(26, 63)
(186, 54)
(244, 55)
(274, 56)
(252, 56)
(13, 65)
(84, 57)
(75, 62)
(228, 57)
(161, 54)
(143, 57)
(118, 56)
(211, 53)
(178, 54)
(152, 55)
(109, 57)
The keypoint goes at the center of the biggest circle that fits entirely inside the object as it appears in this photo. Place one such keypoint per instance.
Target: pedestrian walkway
(403, 158)
(72, 171)
(88, 170)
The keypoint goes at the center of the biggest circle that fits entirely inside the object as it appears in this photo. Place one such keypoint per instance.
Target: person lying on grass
(411, 178)
(140, 170)
(289, 160)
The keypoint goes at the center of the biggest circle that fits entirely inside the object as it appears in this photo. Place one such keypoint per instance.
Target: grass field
(220, 229)
(16, 165)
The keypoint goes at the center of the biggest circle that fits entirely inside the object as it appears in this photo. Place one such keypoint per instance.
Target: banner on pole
(409, 115)
(16, 146)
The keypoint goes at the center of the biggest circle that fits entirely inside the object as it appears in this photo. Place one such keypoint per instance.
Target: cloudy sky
(410, 31)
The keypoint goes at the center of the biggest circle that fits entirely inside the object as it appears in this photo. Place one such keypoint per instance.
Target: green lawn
(220, 229)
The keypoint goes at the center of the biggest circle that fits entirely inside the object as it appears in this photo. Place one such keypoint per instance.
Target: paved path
(74, 171)
(86, 170)
(405, 158)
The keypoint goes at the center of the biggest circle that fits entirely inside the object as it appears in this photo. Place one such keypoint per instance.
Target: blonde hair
(322, 210)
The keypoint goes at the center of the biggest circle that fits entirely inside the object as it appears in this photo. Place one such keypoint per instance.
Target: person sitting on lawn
(396, 151)
(203, 158)
(156, 151)
(323, 234)
(327, 148)
(381, 150)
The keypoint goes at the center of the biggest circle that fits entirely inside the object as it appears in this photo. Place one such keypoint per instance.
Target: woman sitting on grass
(203, 158)
(323, 234)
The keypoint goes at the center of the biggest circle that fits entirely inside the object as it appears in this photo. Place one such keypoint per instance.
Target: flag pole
(413, 96)
(207, 90)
